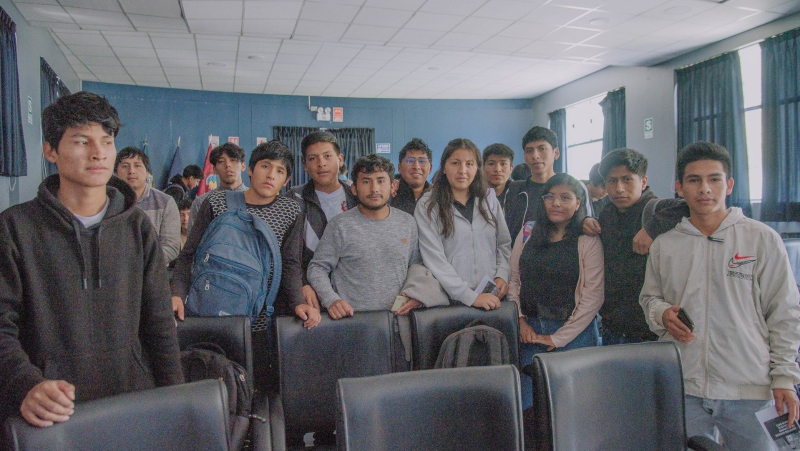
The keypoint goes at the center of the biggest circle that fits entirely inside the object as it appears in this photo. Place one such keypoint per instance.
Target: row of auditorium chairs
(338, 376)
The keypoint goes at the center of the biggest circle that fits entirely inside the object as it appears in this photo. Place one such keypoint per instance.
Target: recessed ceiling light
(598, 22)
(216, 64)
(677, 10)
(255, 57)
(433, 68)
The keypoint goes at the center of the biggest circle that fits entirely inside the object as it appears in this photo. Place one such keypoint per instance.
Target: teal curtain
(558, 123)
(711, 108)
(614, 128)
(13, 160)
(51, 88)
(292, 137)
(780, 122)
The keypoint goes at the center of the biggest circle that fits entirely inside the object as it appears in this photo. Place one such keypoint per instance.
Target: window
(751, 87)
(584, 136)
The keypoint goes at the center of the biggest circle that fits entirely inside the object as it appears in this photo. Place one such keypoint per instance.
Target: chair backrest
(310, 361)
(181, 417)
(625, 397)
(231, 333)
(431, 326)
(475, 408)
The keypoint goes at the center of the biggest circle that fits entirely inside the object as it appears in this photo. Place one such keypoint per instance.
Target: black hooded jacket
(89, 306)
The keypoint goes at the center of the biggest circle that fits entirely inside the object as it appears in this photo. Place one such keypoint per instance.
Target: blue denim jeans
(589, 337)
(612, 338)
(734, 420)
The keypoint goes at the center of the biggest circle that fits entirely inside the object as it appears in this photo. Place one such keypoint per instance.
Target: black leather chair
(232, 334)
(475, 408)
(626, 397)
(430, 327)
(311, 361)
(181, 417)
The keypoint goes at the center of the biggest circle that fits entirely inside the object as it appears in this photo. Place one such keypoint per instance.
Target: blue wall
(162, 115)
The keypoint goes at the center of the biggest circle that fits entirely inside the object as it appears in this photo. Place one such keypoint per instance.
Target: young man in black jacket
(84, 299)
(628, 214)
(321, 199)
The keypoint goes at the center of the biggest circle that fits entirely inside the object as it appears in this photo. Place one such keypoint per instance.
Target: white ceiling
(439, 49)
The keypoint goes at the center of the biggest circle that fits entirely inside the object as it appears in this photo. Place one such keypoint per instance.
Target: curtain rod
(587, 99)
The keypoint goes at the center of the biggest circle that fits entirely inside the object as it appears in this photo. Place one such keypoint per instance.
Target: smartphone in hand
(684, 318)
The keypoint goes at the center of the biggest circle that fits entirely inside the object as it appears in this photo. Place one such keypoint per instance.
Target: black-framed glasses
(549, 198)
(411, 160)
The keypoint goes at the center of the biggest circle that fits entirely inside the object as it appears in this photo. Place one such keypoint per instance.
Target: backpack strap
(234, 200)
(277, 265)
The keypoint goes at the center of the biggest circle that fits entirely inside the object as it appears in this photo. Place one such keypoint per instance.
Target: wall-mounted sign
(648, 128)
(383, 148)
(233, 139)
(338, 114)
(213, 140)
(261, 140)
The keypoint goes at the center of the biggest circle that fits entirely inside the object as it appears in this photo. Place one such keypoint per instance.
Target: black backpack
(475, 345)
(208, 361)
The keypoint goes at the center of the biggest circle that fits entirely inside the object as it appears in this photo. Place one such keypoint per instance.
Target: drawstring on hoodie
(76, 226)
(97, 258)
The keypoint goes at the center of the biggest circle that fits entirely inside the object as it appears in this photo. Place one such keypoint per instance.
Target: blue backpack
(230, 275)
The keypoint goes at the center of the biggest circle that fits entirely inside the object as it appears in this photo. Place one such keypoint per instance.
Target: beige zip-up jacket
(738, 289)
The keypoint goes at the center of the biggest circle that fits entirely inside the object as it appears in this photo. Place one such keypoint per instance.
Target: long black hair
(544, 228)
(442, 193)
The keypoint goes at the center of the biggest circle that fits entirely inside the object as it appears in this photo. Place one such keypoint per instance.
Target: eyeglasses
(411, 160)
(549, 198)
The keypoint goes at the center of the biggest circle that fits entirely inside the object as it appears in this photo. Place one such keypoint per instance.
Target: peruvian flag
(210, 178)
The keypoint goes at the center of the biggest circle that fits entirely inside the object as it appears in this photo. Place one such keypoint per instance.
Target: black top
(523, 200)
(405, 199)
(466, 210)
(549, 276)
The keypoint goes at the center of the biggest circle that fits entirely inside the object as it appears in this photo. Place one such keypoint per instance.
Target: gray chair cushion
(181, 417)
(476, 408)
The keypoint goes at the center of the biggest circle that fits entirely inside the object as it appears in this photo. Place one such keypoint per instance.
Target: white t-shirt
(332, 204)
(89, 221)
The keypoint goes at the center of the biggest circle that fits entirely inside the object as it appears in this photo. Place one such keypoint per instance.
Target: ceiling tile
(502, 44)
(554, 15)
(328, 12)
(251, 89)
(787, 8)
(542, 50)
(216, 55)
(212, 10)
(93, 17)
(611, 39)
(633, 8)
(297, 69)
(570, 35)
(264, 46)
(503, 9)
(102, 5)
(527, 30)
(486, 27)
(222, 27)
(60, 26)
(417, 37)
(588, 4)
(182, 72)
(641, 25)
(176, 62)
(171, 43)
(382, 16)
(138, 70)
(158, 8)
(294, 59)
(369, 33)
(147, 23)
(719, 16)
(434, 22)
(300, 48)
(464, 41)
(275, 90)
(675, 10)
(277, 28)
(133, 52)
(647, 43)
(678, 30)
(91, 61)
(320, 30)
(340, 50)
(331, 61)
(176, 53)
(108, 70)
(600, 20)
(219, 43)
(581, 51)
(121, 79)
(82, 38)
(272, 10)
(456, 7)
(138, 40)
(378, 53)
(44, 13)
(259, 66)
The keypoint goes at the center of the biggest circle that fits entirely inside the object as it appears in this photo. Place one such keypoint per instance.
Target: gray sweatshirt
(364, 261)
